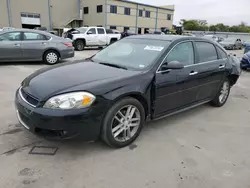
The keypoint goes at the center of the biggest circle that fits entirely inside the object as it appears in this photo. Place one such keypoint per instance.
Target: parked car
(91, 36)
(34, 45)
(111, 94)
(128, 33)
(211, 37)
(44, 29)
(246, 45)
(112, 31)
(231, 44)
(245, 61)
(7, 28)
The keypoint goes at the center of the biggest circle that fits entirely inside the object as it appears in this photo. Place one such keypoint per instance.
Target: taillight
(68, 44)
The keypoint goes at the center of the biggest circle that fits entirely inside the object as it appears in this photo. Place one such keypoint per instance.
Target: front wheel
(123, 123)
(222, 95)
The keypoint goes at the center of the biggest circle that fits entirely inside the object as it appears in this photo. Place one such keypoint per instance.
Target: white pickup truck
(91, 36)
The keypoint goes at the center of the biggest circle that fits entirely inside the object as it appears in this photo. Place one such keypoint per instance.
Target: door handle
(17, 45)
(221, 66)
(193, 73)
(44, 43)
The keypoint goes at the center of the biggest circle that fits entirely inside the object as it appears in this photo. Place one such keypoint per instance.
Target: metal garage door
(30, 19)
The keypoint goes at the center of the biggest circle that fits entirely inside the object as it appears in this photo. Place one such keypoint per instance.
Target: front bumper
(67, 53)
(83, 124)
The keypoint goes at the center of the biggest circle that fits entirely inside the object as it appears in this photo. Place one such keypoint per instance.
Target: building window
(169, 16)
(147, 14)
(139, 30)
(86, 10)
(113, 9)
(125, 29)
(127, 11)
(146, 30)
(112, 27)
(140, 13)
(99, 8)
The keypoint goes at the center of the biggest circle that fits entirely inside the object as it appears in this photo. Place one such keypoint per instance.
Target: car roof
(29, 30)
(167, 37)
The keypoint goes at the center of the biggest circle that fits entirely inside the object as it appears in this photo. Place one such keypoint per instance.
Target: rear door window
(206, 52)
(28, 36)
(100, 30)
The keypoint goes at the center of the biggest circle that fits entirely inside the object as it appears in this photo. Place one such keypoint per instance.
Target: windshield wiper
(113, 65)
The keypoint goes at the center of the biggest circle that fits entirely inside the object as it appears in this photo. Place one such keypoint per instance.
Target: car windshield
(82, 29)
(136, 54)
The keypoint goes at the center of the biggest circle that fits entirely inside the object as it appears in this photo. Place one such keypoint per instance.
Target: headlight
(74, 100)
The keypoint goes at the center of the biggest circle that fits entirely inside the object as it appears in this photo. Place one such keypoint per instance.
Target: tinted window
(86, 10)
(92, 30)
(206, 51)
(147, 14)
(127, 11)
(169, 16)
(140, 13)
(112, 27)
(33, 36)
(99, 8)
(125, 29)
(183, 52)
(222, 53)
(13, 36)
(113, 9)
(100, 31)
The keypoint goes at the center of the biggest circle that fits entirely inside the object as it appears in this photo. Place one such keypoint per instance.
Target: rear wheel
(51, 57)
(222, 95)
(80, 44)
(123, 123)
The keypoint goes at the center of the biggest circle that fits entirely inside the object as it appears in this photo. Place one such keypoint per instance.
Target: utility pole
(9, 12)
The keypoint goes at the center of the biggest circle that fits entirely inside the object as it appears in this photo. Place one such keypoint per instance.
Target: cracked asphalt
(203, 147)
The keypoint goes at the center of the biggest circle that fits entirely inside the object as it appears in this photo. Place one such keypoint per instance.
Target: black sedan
(113, 93)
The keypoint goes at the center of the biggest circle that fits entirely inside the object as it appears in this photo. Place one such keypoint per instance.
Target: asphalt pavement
(203, 147)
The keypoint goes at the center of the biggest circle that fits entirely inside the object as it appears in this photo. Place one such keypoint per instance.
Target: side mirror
(172, 65)
(89, 33)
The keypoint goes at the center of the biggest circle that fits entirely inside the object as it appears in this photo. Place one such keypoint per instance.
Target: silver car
(33, 45)
(232, 44)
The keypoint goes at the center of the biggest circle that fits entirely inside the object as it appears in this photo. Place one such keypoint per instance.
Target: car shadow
(80, 148)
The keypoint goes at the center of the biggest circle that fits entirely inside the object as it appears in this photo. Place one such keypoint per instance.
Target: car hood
(48, 82)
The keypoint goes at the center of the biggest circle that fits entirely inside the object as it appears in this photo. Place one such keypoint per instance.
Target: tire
(112, 41)
(219, 99)
(118, 136)
(80, 44)
(51, 57)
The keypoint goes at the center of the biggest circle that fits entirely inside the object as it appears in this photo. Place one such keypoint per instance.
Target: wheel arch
(138, 96)
(52, 49)
(82, 39)
(233, 78)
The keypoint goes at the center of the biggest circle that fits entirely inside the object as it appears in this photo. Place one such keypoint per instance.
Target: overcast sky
(214, 11)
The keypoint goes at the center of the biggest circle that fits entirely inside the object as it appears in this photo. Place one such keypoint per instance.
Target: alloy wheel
(126, 123)
(224, 92)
